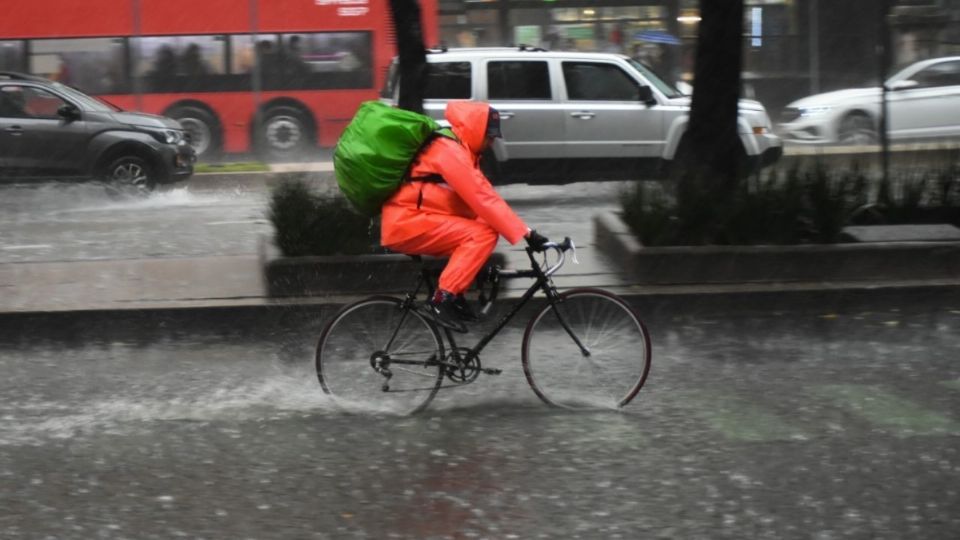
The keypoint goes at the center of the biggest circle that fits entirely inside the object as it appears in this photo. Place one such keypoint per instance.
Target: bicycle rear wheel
(613, 372)
(367, 340)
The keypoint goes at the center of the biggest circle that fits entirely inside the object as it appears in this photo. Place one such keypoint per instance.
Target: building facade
(792, 48)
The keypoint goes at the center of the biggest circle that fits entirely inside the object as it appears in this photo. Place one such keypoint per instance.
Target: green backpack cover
(375, 151)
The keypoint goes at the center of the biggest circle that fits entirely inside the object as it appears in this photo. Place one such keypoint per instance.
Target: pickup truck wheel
(129, 176)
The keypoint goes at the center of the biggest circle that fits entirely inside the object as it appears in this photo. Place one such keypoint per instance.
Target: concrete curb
(867, 262)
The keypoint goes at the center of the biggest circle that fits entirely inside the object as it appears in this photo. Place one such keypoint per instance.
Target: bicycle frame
(542, 281)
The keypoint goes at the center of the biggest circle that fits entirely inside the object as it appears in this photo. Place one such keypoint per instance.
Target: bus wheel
(203, 129)
(284, 134)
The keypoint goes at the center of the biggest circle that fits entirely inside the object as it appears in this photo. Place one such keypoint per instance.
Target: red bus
(278, 77)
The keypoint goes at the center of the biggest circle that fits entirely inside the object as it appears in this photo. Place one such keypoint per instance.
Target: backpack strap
(431, 178)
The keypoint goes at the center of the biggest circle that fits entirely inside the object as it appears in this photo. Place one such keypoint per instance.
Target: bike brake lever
(573, 251)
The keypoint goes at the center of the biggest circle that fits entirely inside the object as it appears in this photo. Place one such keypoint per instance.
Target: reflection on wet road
(57, 222)
(64, 222)
(774, 426)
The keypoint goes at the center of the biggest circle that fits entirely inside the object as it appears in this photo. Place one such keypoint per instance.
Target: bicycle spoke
(619, 351)
(355, 368)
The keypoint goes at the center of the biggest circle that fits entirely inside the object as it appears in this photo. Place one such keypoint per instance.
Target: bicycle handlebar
(561, 248)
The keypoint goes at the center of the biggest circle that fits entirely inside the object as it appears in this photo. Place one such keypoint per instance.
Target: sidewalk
(167, 285)
(225, 282)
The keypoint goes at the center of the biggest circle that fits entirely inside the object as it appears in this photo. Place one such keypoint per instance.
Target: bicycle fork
(556, 301)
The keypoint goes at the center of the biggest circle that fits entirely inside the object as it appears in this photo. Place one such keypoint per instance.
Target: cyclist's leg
(467, 242)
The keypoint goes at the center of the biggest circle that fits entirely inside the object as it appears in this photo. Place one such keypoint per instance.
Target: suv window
(448, 80)
(41, 104)
(28, 102)
(518, 80)
(592, 81)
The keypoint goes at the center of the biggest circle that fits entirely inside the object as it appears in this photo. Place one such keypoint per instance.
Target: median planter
(328, 275)
(687, 265)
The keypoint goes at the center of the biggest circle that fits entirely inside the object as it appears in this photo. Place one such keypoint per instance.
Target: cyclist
(450, 209)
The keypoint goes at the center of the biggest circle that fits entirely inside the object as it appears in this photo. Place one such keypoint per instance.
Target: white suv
(570, 116)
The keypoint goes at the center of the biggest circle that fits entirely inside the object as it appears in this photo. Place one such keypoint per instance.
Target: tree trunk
(713, 145)
(411, 52)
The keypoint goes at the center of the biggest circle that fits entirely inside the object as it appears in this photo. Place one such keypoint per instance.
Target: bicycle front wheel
(605, 369)
(376, 356)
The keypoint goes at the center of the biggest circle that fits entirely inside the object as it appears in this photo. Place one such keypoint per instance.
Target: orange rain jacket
(460, 217)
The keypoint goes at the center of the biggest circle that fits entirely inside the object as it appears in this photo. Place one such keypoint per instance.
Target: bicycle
(585, 347)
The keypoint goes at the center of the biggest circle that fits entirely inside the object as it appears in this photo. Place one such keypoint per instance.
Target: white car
(569, 116)
(923, 102)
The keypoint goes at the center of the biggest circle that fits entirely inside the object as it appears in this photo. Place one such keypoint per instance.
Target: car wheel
(129, 176)
(284, 134)
(857, 129)
(203, 129)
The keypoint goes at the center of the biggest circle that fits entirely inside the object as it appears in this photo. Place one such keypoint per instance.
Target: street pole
(136, 53)
(814, 51)
(884, 53)
(257, 85)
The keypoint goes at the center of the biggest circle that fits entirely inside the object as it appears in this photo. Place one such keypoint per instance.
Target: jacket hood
(468, 119)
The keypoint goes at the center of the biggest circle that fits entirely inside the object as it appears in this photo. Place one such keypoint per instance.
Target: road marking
(243, 222)
(27, 246)
(892, 413)
(740, 420)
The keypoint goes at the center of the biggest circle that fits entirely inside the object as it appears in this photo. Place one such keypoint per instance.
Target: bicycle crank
(463, 366)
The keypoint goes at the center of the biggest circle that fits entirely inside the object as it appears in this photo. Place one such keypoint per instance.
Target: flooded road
(66, 222)
(837, 425)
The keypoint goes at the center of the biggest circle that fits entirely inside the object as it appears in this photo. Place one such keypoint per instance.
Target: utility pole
(814, 51)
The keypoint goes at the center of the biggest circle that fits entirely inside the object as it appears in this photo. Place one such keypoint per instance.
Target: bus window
(327, 60)
(11, 56)
(180, 63)
(94, 65)
(242, 55)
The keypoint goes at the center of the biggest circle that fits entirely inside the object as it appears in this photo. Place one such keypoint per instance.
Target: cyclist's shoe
(441, 309)
(464, 312)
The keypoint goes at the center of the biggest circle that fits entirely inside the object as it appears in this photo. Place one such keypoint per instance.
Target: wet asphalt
(827, 420)
(751, 425)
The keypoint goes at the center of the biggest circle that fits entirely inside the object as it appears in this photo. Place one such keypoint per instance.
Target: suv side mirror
(69, 112)
(646, 96)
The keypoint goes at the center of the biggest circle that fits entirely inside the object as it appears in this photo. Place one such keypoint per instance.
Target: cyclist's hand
(536, 240)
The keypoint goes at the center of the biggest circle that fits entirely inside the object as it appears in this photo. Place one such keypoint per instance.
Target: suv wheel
(129, 176)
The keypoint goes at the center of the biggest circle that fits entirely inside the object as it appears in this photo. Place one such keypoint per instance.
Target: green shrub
(798, 206)
(834, 201)
(308, 223)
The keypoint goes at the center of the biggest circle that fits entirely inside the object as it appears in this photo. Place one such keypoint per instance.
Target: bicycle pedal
(492, 371)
